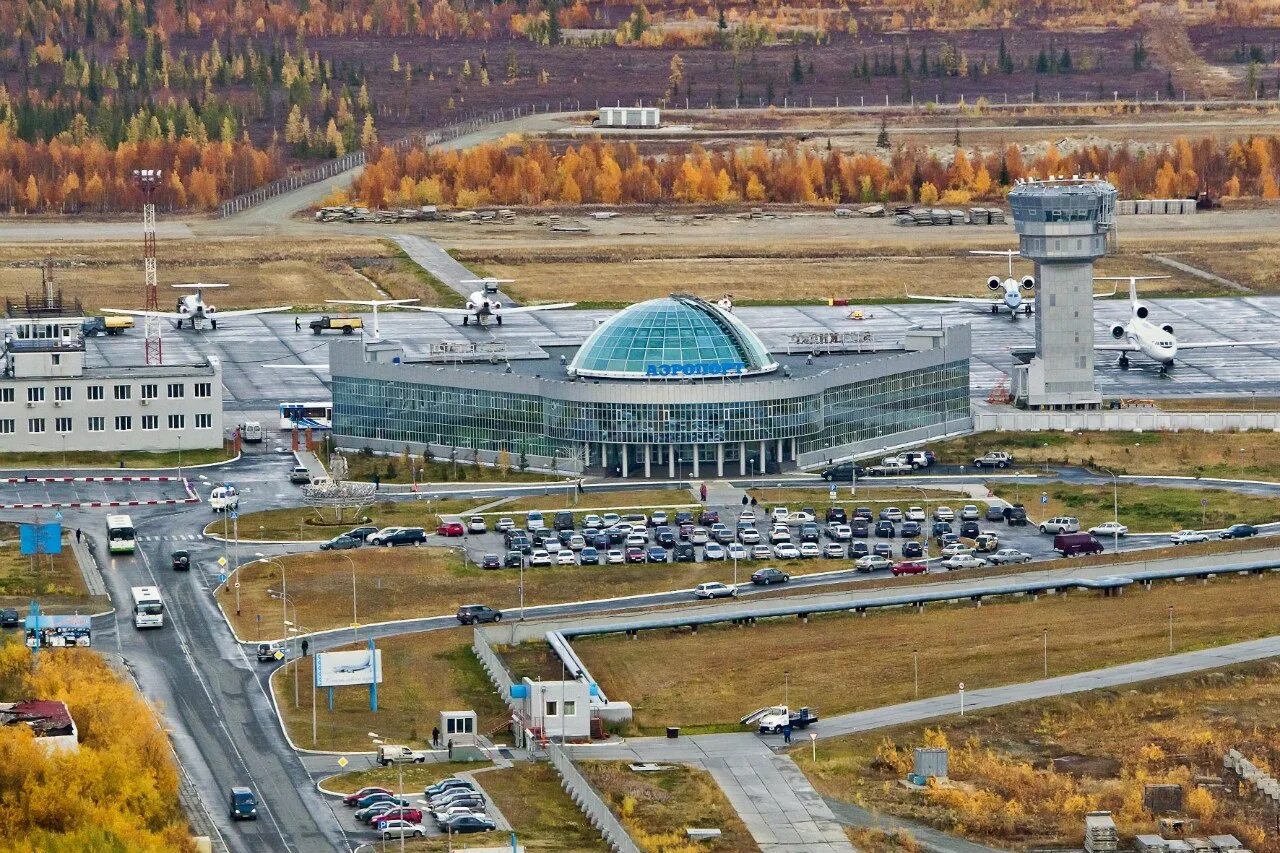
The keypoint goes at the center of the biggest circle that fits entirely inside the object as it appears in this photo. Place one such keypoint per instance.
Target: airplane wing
(163, 315)
(1219, 344)
(1105, 295)
(222, 315)
(1126, 347)
(525, 309)
(431, 309)
(962, 300)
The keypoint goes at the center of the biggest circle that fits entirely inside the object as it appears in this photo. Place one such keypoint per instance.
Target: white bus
(120, 536)
(148, 609)
(306, 415)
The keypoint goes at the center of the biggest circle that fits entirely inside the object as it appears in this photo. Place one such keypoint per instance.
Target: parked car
(963, 561)
(337, 543)
(470, 614)
(714, 589)
(779, 514)
(872, 562)
(969, 512)
(749, 536)
(709, 517)
(446, 785)
(859, 528)
(842, 473)
(589, 556)
(833, 550)
(389, 536)
(534, 521)
(839, 532)
(566, 557)
(737, 551)
(1238, 531)
(504, 524)
(1016, 515)
(684, 552)
(657, 518)
(944, 513)
(915, 513)
(700, 536)
(451, 528)
(362, 533)
(636, 555)
(810, 550)
(490, 561)
(986, 543)
(379, 797)
(786, 551)
(910, 528)
(802, 516)
(401, 829)
(371, 813)
(761, 552)
(244, 802)
(409, 813)
(891, 513)
(469, 823)
(1186, 537)
(836, 515)
(911, 550)
(886, 530)
(463, 807)
(863, 512)
(1061, 524)
(993, 459)
(609, 519)
(909, 568)
(768, 576)
(859, 549)
(614, 557)
(513, 560)
(994, 513)
(539, 557)
(1109, 528)
(884, 549)
(809, 532)
(351, 799)
(779, 534)
(1075, 544)
(1007, 556)
(300, 476)
(969, 529)
(9, 618)
(713, 551)
(656, 554)
(563, 520)
(956, 548)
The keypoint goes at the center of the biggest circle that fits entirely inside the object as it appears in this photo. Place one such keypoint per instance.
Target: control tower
(1062, 226)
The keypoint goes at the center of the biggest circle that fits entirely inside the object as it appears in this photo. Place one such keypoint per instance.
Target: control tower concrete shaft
(1063, 227)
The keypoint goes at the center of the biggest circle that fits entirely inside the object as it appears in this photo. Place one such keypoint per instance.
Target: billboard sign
(346, 669)
(39, 539)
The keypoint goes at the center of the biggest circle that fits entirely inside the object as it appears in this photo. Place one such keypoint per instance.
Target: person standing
(297, 324)
(77, 534)
(702, 490)
(435, 736)
(786, 733)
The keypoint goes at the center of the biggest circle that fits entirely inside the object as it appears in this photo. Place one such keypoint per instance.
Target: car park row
(454, 806)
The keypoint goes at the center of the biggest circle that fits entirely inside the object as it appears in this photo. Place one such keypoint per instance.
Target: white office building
(51, 400)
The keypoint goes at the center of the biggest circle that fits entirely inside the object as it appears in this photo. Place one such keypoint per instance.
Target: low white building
(51, 401)
(560, 710)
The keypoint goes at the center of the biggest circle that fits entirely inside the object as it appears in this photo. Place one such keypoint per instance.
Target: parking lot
(380, 812)
(38, 492)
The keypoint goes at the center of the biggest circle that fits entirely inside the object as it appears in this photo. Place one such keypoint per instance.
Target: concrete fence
(1128, 420)
(1236, 763)
(586, 799)
(494, 667)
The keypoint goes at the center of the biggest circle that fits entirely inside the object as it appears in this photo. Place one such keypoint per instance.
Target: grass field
(1146, 509)
(656, 807)
(404, 583)
(415, 776)
(1219, 404)
(820, 496)
(423, 675)
(401, 278)
(112, 459)
(598, 502)
(1024, 775)
(409, 469)
(308, 523)
(1227, 454)
(718, 681)
(53, 579)
(298, 272)
(540, 812)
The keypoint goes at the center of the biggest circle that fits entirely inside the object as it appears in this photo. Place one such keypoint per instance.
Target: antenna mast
(147, 180)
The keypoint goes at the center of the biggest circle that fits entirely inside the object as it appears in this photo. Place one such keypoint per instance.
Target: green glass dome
(679, 337)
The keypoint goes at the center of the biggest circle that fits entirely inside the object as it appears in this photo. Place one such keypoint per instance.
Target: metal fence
(586, 799)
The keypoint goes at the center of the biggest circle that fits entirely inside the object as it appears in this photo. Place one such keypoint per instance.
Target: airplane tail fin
(1133, 291)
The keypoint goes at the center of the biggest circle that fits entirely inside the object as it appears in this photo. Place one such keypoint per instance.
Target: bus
(120, 536)
(148, 609)
(306, 415)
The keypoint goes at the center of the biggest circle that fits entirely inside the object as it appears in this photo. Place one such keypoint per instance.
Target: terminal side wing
(222, 315)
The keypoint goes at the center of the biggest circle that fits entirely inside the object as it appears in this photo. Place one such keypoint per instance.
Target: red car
(451, 528)
(635, 555)
(351, 799)
(909, 569)
(410, 814)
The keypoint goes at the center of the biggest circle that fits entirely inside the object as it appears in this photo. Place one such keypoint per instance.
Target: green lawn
(411, 468)
(1144, 509)
(307, 523)
(112, 459)
(415, 776)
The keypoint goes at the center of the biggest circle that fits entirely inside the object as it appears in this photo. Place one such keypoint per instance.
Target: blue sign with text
(39, 539)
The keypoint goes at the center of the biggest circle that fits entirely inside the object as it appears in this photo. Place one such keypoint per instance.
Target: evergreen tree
(955, 142)
(1168, 86)
(1064, 61)
(1139, 54)
(1042, 62)
(553, 22)
(797, 72)
(882, 138)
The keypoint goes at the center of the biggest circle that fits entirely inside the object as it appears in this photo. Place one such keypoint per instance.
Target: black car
(683, 553)
(683, 517)
(837, 515)
(886, 530)
(859, 529)
(563, 536)
(995, 513)
(941, 527)
(665, 536)
(597, 539)
(361, 533)
(842, 473)
(563, 520)
(9, 618)
(656, 554)
(910, 528)
(244, 803)
(912, 549)
(470, 614)
(809, 532)
(616, 536)
(466, 823)
(1238, 531)
(339, 543)
(1016, 515)
(513, 560)
(859, 549)
(767, 576)
(490, 561)
(882, 549)
(969, 529)
(863, 512)
(181, 560)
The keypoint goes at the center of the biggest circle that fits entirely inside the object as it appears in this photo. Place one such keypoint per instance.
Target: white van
(223, 498)
(251, 431)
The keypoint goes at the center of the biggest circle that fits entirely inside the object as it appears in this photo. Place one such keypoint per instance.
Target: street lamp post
(1170, 629)
(378, 740)
(786, 688)
(1115, 509)
(522, 587)
(355, 621)
(1046, 652)
(179, 458)
(915, 669)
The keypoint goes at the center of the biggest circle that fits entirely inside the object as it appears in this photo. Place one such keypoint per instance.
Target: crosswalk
(177, 537)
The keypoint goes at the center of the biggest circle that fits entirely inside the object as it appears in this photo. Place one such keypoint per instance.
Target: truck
(771, 720)
(393, 754)
(251, 431)
(348, 325)
(113, 325)
(993, 459)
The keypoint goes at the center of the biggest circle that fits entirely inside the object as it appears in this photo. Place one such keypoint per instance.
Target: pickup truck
(400, 755)
(348, 325)
(993, 459)
(771, 720)
(105, 325)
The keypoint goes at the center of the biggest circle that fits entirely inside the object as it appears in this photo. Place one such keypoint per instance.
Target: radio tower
(147, 180)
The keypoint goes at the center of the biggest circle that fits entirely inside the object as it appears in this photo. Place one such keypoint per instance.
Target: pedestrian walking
(77, 534)
(702, 490)
(745, 500)
(786, 733)
(305, 645)
(377, 482)
(297, 324)
(753, 502)
(435, 736)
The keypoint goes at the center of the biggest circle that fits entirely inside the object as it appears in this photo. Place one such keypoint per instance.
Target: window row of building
(121, 391)
(98, 423)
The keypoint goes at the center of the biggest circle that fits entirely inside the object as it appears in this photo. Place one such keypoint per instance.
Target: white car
(713, 551)
(1185, 537)
(443, 816)
(969, 512)
(963, 561)
(786, 551)
(779, 534)
(540, 557)
(609, 519)
(891, 513)
(592, 522)
(809, 550)
(476, 524)
(944, 513)
(397, 828)
(577, 542)
(715, 589)
(533, 521)
(915, 513)
(749, 536)
(614, 557)
(565, 558)
(1061, 524)
(779, 513)
(1109, 528)
(635, 540)
(873, 562)
(800, 516)
(956, 550)
(747, 515)
(504, 524)
(700, 536)
(1006, 556)
(760, 552)
(840, 532)
(833, 550)
(658, 519)
(736, 551)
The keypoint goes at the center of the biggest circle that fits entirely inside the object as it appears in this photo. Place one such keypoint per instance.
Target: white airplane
(482, 306)
(1157, 343)
(375, 304)
(1011, 290)
(194, 309)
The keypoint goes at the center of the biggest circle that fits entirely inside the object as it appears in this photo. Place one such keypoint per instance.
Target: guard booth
(458, 729)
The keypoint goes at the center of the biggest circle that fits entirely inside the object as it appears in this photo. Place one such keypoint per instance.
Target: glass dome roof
(679, 337)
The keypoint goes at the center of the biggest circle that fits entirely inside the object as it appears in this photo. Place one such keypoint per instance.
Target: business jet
(1011, 291)
(193, 309)
(482, 306)
(1157, 343)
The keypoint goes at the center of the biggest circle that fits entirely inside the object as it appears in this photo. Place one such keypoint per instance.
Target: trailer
(643, 117)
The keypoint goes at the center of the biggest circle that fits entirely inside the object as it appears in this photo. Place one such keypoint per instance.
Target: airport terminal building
(672, 387)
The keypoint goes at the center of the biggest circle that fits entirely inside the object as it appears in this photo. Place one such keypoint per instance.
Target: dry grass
(415, 776)
(1189, 454)
(1146, 509)
(413, 582)
(309, 524)
(599, 502)
(540, 812)
(53, 579)
(261, 273)
(718, 682)
(405, 468)
(1220, 404)
(655, 808)
(424, 674)
(819, 496)
(111, 459)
